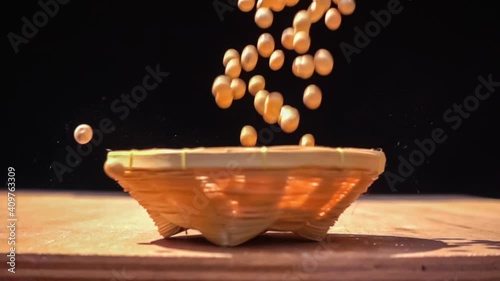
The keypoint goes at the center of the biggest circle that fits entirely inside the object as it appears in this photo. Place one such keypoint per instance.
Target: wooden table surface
(97, 236)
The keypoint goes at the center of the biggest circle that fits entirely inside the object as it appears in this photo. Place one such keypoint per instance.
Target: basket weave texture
(231, 195)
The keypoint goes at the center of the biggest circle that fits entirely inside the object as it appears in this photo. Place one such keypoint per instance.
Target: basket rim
(263, 157)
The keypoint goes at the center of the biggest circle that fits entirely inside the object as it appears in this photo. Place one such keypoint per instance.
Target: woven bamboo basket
(232, 194)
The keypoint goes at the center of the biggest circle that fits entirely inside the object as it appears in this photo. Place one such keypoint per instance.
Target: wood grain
(97, 236)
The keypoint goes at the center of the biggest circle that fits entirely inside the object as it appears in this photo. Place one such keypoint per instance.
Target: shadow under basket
(233, 194)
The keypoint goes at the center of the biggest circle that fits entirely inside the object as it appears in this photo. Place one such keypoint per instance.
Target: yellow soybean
(229, 55)
(272, 107)
(263, 17)
(291, 3)
(259, 101)
(83, 134)
(323, 62)
(233, 68)
(303, 66)
(289, 119)
(224, 98)
(238, 88)
(301, 42)
(256, 83)
(301, 21)
(246, 5)
(265, 45)
(307, 140)
(317, 9)
(312, 97)
(221, 81)
(346, 7)
(249, 58)
(277, 60)
(333, 19)
(248, 136)
(287, 38)
(277, 5)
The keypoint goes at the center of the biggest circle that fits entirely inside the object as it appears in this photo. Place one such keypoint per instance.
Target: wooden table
(85, 236)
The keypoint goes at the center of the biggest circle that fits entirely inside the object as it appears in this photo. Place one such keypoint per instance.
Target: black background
(394, 91)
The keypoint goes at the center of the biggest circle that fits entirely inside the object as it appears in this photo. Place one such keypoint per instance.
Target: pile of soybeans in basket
(270, 104)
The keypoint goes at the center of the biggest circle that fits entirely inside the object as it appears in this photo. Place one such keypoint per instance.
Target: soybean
(229, 55)
(301, 42)
(287, 38)
(323, 62)
(277, 5)
(263, 17)
(323, 4)
(272, 107)
(221, 81)
(277, 60)
(315, 13)
(256, 83)
(83, 134)
(263, 3)
(303, 66)
(346, 7)
(224, 98)
(317, 9)
(301, 21)
(248, 136)
(265, 45)
(249, 58)
(246, 5)
(289, 119)
(307, 140)
(233, 68)
(312, 97)
(291, 3)
(333, 19)
(238, 87)
(259, 101)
